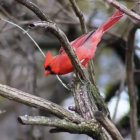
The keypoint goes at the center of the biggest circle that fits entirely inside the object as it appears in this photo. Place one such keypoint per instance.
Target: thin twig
(63, 84)
(123, 9)
(25, 32)
(64, 10)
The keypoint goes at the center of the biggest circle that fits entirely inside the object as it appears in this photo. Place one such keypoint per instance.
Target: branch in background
(7, 14)
(80, 15)
(136, 70)
(124, 9)
(121, 87)
(54, 29)
(137, 48)
(25, 32)
(63, 8)
(108, 125)
(33, 7)
(37, 102)
(130, 82)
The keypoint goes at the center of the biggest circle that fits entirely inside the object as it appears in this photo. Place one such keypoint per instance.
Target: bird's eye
(48, 68)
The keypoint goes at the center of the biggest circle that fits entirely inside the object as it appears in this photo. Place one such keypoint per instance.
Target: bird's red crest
(48, 59)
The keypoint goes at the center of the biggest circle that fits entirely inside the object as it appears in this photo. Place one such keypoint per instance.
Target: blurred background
(21, 64)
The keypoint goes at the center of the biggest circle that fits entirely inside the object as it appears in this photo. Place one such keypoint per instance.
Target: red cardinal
(84, 46)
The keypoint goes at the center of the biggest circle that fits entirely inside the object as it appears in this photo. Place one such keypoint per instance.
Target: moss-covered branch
(62, 125)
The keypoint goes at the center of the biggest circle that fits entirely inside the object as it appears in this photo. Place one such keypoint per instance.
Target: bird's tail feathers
(111, 21)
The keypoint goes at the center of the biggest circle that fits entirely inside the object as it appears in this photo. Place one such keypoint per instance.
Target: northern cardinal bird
(84, 46)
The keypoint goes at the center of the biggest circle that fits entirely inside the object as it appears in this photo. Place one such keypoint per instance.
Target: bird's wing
(79, 41)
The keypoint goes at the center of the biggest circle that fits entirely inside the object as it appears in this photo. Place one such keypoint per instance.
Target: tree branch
(108, 125)
(71, 122)
(105, 122)
(37, 102)
(59, 124)
(130, 82)
(123, 9)
(86, 104)
(80, 15)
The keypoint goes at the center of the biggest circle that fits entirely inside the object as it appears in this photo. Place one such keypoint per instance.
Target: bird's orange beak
(47, 73)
